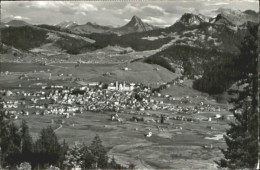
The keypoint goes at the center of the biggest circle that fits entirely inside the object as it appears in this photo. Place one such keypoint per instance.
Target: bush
(24, 166)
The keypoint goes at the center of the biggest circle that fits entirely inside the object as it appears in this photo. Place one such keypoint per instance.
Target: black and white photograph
(128, 84)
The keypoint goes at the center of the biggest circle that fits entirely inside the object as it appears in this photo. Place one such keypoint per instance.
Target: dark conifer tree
(113, 163)
(4, 137)
(64, 149)
(99, 153)
(26, 143)
(13, 147)
(47, 148)
(88, 159)
(131, 166)
(242, 137)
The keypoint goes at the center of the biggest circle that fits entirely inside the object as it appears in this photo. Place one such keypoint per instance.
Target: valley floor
(175, 144)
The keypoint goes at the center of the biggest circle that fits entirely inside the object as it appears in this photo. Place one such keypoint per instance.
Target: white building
(121, 86)
(93, 84)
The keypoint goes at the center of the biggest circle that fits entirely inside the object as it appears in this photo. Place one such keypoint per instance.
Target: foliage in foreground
(17, 146)
(242, 137)
(90, 157)
(19, 151)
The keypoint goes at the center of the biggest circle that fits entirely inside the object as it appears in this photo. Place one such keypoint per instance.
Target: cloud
(88, 7)
(209, 12)
(221, 3)
(141, 10)
(8, 18)
(81, 13)
(153, 10)
(252, 1)
(160, 13)
(18, 17)
(43, 5)
(130, 7)
(215, 3)
(62, 6)
(154, 21)
(185, 9)
(126, 20)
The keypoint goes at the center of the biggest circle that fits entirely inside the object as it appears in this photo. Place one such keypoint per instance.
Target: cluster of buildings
(61, 100)
(117, 97)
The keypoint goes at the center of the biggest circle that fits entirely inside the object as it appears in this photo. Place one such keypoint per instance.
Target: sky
(115, 13)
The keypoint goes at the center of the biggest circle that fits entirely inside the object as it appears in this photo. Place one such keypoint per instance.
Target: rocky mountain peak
(136, 21)
(190, 19)
(237, 17)
(136, 24)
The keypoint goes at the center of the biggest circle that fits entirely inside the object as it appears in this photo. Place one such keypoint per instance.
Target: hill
(30, 37)
(16, 23)
(88, 28)
(192, 60)
(137, 72)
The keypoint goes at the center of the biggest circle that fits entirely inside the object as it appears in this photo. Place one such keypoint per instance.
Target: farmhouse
(125, 68)
(8, 93)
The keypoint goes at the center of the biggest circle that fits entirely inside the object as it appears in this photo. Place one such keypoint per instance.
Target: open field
(168, 147)
(194, 96)
(137, 72)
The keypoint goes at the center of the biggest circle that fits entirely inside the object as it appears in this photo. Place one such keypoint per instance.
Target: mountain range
(134, 25)
(224, 16)
(223, 33)
(194, 43)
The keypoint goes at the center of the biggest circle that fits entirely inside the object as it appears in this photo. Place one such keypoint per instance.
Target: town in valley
(142, 88)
